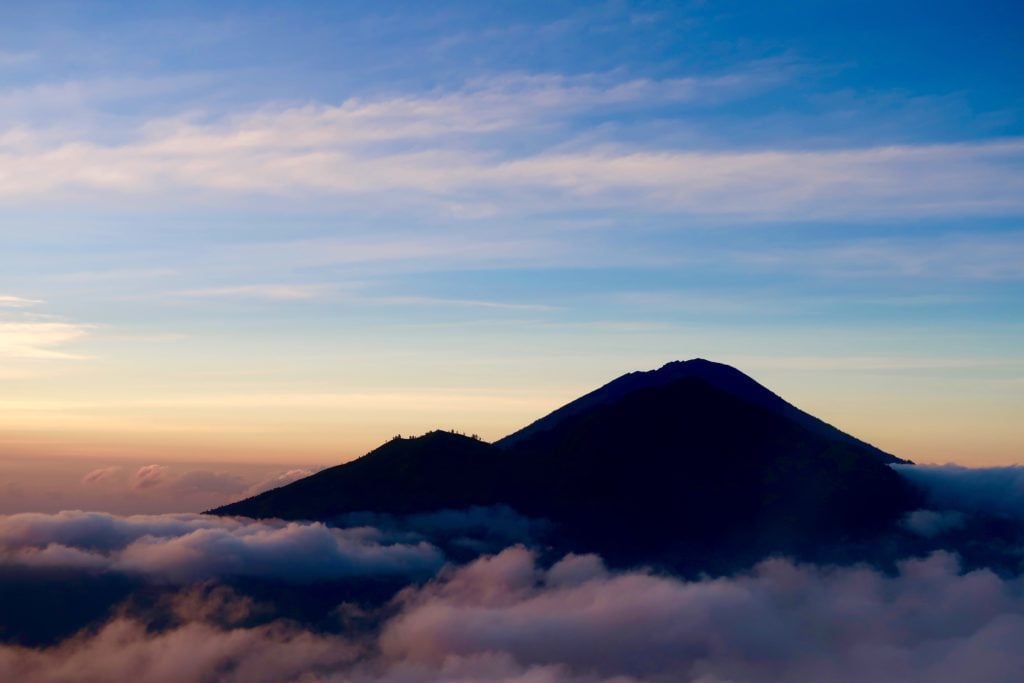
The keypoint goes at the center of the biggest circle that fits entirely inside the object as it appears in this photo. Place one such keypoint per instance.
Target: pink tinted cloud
(102, 475)
(149, 476)
(508, 618)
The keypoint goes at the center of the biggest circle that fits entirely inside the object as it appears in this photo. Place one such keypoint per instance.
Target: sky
(259, 238)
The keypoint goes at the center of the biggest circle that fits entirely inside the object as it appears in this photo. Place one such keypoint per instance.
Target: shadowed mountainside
(694, 465)
(720, 376)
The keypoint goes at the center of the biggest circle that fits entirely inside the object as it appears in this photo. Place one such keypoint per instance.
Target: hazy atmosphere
(243, 244)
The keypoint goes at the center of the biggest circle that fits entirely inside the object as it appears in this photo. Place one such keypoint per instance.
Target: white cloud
(7, 301)
(27, 338)
(186, 548)
(39, 340)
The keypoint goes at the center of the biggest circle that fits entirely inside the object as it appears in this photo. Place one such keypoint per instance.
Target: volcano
(694, 465)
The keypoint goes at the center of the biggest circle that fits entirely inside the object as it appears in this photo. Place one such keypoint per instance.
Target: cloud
(781, 623)
(986, 490)
(265, 292)
(162, 481)
(969, 257)
(102, 475)
(7, 301)
(125, 649)
(774, 184)
(459, 303)
(931, 523)
(461, 150)
(196, 482)
(149, 476)
(295, 552)
(869, 363)
(39, 340)
(475, 530)
(509, 618)
(186, 548)
(277, 480)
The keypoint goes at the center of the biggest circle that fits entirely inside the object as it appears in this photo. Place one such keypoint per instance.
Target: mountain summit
(723, 377)
(694, 465)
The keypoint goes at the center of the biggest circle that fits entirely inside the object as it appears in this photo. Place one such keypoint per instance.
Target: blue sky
(270, 230)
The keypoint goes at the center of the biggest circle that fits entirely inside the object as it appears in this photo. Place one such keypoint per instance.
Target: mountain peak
(692, 460)
(720, 376)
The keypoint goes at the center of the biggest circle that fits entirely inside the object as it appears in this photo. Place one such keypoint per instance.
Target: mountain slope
(694, 466)
(723, 377)
(701, 471)
(438, 470)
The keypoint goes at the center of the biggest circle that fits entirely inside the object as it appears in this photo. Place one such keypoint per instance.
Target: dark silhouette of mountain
(436, 471)
(695, 466)
(724, 377)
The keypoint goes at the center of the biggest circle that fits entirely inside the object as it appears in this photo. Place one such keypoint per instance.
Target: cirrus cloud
(442, 148)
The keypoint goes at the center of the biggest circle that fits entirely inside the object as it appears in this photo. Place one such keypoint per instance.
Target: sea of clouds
(518, 614)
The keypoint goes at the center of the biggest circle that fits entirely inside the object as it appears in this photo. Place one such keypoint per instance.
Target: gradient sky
(246, 232)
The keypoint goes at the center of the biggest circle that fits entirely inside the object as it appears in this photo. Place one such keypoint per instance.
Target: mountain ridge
(691, 465)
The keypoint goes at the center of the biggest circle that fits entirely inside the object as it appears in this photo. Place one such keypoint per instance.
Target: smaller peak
(445, 435)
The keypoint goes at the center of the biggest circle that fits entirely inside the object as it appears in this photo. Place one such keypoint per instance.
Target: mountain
(436, 471)
(694, 465)
(720, 376)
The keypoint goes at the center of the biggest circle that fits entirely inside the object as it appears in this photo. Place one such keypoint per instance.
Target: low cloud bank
(508, 618)
(980, 490)
(782, 622)
(184, 548)
(125, 650)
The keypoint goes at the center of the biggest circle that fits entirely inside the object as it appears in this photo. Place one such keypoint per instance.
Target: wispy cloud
(444, 148)
(998, 256)
(460, 303)
(102, 475)
(772, 184)
(30, 336)
(39, 340)
(149, 476)
(282, 292)
(8, 301)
